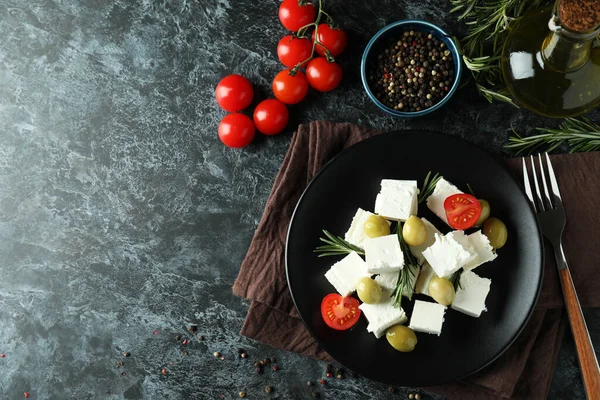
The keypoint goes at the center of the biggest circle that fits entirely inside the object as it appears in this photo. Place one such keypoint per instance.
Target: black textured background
(122, 214)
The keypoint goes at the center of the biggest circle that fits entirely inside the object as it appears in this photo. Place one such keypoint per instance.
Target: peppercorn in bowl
(410, 68)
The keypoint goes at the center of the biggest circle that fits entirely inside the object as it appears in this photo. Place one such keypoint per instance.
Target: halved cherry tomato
(290, 89)
(293, 50)
(323, 75)
(334, 40)
(462, 210)
(294, 16)
(340, 312)
(236, 130)
(234, 93)
(271, 116)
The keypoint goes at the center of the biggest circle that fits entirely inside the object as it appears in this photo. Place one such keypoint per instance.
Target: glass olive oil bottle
(551, 69)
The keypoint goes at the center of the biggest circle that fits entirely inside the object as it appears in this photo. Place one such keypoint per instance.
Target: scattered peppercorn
(267, 361)
(404, 74)
(273, 359)
(121, 363)
(417, 396)
(178, 337)
(126, 354)
(217, 354)
(268, 389)
(222, 357)
(193, 329)
(2, 355)
(323, 381)
(242, 394)
(309, 383)
(201, 337)
(26, 394)
(240, 351)
(411, 396)
(328, 368)
(244, 355)
(275, 367)
(171, 363)
(339, 376)
(256, 364)
(329, 374)
(392, 389)
(155, 332)
(259, 371)
(316, 395)
(185, 353)
(185, 342)
(163, 371)
(123, 373)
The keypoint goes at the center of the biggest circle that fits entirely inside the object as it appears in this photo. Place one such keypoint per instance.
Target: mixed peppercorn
(413, 73)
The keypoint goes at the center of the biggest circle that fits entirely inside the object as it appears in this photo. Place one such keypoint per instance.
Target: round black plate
(351, 180)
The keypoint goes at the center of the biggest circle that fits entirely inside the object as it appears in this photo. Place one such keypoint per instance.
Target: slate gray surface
(122, 214)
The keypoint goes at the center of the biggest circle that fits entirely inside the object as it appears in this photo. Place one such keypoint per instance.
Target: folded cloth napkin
(525, 369)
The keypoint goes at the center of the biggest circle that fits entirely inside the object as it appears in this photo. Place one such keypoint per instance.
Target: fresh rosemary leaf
(335, 246)
(471, 190)
(428, 186)
(407, 274)
(455, 279)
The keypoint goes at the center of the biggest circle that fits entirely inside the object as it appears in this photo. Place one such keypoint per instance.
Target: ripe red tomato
(294, 16)
(234, 93)
(236, 130)
(462, 210)
(323, 75)
(290, 89)
(334, 39)
(340, 312)
(271, 116)
(292, 50)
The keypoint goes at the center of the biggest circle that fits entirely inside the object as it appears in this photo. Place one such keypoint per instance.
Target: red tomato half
(234, 93)
(323, 75)
(462, 210)
(340, 312)
(271, 116)
(294, 16)
(292, 51)
(290, 89)
(334, 39)
(236, 130)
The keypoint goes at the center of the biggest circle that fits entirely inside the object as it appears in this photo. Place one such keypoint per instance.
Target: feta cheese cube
(424, 278)
(443, 189)
(355, 234)
(483, 250)
(344, 274)
(388, 280)
(427, 317)
(383, 254)
(449, 253)
(471, 294)
(397, 200)
(382, 315)
(417, 251)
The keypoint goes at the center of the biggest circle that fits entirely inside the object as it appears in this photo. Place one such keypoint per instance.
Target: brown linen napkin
(525, 370)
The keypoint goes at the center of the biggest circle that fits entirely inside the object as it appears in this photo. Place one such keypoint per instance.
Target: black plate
(467, 344)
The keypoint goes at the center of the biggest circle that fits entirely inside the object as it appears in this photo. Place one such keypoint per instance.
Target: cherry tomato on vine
(334, 39)
(236, 130)
(290, 89)
(271, 116)
(293, 50)
(323, 75)
(294, 16)
(234, 93)
(339, 312)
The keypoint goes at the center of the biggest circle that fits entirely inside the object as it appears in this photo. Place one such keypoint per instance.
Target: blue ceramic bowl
(379, 41)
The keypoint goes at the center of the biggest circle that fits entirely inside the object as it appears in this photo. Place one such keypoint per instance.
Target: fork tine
(537, 186)
(543, 173)
(552, 176)
(528, 185)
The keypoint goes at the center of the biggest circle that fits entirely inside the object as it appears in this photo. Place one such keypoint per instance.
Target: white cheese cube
(344, 274)
(388, 280)
(382, 315)
(425, 276)
(471, 294)
(383, 254)
(355, 234)
(427, 317)
(443, 189)
(483, 250)
(449, 253)
(397, 200)
(417, 251)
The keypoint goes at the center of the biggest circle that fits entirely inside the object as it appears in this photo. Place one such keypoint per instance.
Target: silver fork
(552, 219)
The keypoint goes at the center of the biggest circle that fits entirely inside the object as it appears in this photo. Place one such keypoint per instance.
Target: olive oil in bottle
(551, 69)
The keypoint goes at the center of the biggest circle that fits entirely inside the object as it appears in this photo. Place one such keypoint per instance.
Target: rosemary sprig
(455, 279)
(335, 246)
(407, 274)
(580, 134)
(428, 186)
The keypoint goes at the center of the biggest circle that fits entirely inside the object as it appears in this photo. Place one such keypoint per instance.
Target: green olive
(442, 290)
(401, 338)
(496, 232)
(376, 226)
(414, 231)
(485, 212)
(368, 290)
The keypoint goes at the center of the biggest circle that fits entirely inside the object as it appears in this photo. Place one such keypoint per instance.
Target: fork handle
(583, 343)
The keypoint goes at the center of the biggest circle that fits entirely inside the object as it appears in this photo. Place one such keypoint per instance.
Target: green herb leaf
(408, 273)
(428, 186)
(455, 279)
(335, 246)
